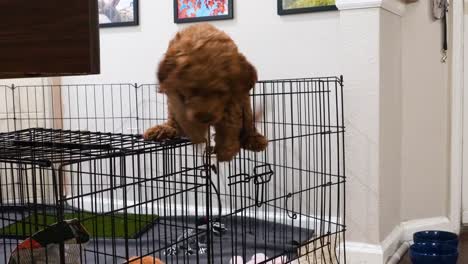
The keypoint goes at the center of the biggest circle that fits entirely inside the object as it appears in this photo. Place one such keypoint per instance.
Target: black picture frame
(282, 11)
(135, 22)
(178, 20)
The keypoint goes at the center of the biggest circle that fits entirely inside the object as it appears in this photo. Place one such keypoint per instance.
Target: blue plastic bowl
(433, 253)
(434, 236)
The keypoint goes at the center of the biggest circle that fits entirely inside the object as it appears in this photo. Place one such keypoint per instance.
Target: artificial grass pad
(98, 226)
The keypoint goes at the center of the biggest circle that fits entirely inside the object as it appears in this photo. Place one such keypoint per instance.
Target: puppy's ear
(248, 74)
(166, 67)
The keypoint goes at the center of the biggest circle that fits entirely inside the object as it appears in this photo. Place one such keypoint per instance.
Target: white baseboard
(435, 223)
(362, 253)
(162, 209)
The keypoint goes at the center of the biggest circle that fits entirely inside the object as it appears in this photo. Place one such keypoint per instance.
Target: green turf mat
(100, 226)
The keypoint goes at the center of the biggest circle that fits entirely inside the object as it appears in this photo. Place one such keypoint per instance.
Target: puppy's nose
(204, 117)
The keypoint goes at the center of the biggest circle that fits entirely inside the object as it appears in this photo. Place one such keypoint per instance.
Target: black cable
(218, 194)
(444, 21)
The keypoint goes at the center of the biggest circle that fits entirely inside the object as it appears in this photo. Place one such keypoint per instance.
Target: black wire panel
(298, 182)
(75, 151)
(42, 146)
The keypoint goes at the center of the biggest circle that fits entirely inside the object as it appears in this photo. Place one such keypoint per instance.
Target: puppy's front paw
(226, 153)
(255, 142)
(160, 132)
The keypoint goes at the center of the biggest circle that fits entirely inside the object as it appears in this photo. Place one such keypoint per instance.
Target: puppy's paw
(160, 132)
(255, 142)
(226, 153)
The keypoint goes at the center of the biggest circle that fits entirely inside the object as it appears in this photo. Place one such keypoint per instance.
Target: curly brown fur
(207, 83)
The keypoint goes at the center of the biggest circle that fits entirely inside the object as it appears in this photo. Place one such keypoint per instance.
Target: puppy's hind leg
(254, 141)
(227, 142)
(251, 139)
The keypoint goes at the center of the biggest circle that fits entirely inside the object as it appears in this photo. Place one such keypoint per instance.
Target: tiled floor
(463, 257)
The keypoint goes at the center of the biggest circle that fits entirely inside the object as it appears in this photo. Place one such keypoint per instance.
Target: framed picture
(287, 7)
(118, 13)
(186, 11)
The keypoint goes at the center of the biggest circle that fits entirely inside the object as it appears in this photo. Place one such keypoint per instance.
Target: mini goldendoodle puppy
(207, 83)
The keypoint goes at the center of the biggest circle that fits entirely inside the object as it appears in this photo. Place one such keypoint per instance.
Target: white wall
(425, 117)
(390, 122)
(465, 119)
(289, 46)
(361, 68)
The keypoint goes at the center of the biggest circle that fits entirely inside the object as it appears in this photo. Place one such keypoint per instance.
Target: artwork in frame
(118, 13)
(186, 11)
(287, 7)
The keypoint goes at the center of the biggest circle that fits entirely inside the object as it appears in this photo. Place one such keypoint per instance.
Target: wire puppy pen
(77, 178)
